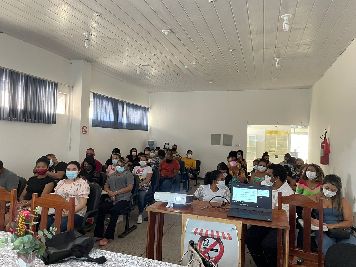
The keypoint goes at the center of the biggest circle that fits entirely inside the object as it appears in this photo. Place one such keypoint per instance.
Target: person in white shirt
(144, 173)
(214, 188)
(262, 241)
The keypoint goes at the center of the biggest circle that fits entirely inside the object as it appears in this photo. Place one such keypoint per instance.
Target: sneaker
(120, 219)
(139, 219)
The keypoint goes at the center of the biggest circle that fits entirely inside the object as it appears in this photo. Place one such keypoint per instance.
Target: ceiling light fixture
(186, 66)
(232, 49)
(211, 82)
(278, 65)
(212, 1)
(166, 31)
(285, 24)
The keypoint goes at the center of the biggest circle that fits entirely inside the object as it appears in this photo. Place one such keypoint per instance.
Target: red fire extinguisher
(324, 150)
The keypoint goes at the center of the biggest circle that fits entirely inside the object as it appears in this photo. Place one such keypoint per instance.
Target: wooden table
(201, 208)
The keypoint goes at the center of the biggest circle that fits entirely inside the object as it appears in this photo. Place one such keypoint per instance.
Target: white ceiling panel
(213, 45)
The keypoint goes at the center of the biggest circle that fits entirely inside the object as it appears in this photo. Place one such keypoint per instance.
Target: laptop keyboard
(249, 214)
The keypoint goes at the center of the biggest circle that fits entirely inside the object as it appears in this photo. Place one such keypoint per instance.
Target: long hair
(319, 173)
(335, 181)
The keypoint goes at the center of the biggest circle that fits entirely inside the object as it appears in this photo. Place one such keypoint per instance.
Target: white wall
(188, 118)
(22, 143)
(333, 108)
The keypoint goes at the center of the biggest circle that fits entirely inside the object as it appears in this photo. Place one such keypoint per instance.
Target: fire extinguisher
(324, 150)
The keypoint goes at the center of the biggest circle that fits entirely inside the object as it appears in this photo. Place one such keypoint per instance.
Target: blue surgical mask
(120, 169)
(71, 175)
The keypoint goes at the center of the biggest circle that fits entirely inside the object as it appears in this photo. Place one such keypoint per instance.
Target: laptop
(251, 202)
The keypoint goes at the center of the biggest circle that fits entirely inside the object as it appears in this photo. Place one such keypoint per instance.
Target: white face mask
(189, 156)
(221, 184)
(114, 161)
(152, 154)
(143, 163)
(310, 175)
(261, 168)
(255, 167)
(50, 163)
(225, 174)
(328, 193)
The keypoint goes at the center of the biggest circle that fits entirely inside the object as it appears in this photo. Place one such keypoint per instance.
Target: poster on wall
(217, 242)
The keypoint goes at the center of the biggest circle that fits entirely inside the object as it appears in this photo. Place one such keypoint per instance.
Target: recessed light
(186, 66)
(166, 31)
(212, 1)
(232, 49)
(211, 82)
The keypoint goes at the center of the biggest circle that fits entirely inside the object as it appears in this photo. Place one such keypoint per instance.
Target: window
(109, 112)
(61, 103)
(26, 98)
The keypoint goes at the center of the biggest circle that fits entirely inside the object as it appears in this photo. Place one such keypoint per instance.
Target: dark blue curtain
(26, 98)
(117, 114)
(104, 112)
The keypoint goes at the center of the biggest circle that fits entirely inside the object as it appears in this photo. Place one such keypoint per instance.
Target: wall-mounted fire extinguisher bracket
(324, 149)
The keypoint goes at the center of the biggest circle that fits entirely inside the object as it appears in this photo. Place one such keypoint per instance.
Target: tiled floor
(135, 242)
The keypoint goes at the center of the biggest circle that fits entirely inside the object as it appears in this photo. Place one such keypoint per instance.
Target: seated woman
(337, 212)
(90, 174)
(144, 173)
(41, 183)
(224, 169)
(133, 158)
(260, 173)
(119, 187)
(214, 188)
(311, 181)
(109, 161)
(235, 170)
(73, 186)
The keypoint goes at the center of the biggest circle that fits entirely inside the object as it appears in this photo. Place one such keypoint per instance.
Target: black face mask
(169, 160)
(88, 168)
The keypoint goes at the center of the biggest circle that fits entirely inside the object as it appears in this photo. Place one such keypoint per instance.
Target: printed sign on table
(217, 242)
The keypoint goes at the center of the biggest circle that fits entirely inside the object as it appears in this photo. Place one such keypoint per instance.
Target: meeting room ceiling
(184, 45)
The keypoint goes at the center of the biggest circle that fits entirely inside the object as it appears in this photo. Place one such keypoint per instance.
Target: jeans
(262, 244)
(115, 210)
(166, 184)
(328, 241)
(78, 220)
(143, 199)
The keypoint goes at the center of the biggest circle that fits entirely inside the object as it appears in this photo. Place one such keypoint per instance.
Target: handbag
(339, 233)
(69, 245)
(193, 258)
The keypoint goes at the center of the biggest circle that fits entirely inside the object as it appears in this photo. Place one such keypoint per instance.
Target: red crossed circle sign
(211, 248)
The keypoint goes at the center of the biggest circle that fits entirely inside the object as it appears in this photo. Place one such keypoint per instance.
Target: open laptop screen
(251, 196)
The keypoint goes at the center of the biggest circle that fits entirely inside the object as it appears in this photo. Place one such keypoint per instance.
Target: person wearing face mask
(109, 161)
(214, 188)
(147, 151)
(224, 169)
(133, 159)
(311, 181)
(168, 169)
(260, 173)
(235, 170)
(91, 153)
(57, 168)
(144, 173)
(175, 152)
(337, 213)
(90, 174)
(262, 241)
(189, 162)
(112, 167)
(118, 187)
(72, 186)
(41, 183)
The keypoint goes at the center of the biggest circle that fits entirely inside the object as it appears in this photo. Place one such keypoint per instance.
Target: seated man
(8, 179)
(190, 163)
(168, 170)
(57, 169)
(262, 241)
(91, 153)
(119, 187)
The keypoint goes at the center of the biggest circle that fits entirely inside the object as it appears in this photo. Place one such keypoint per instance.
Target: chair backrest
(6, 197)
(21, 186)
(136, 185)
(58, 203)
(94, 197)
(308, 205)
(197, 165)
(154, 179)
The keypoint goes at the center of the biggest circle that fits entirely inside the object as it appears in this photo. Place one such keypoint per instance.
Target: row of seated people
(262, 241)
(118, 182)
